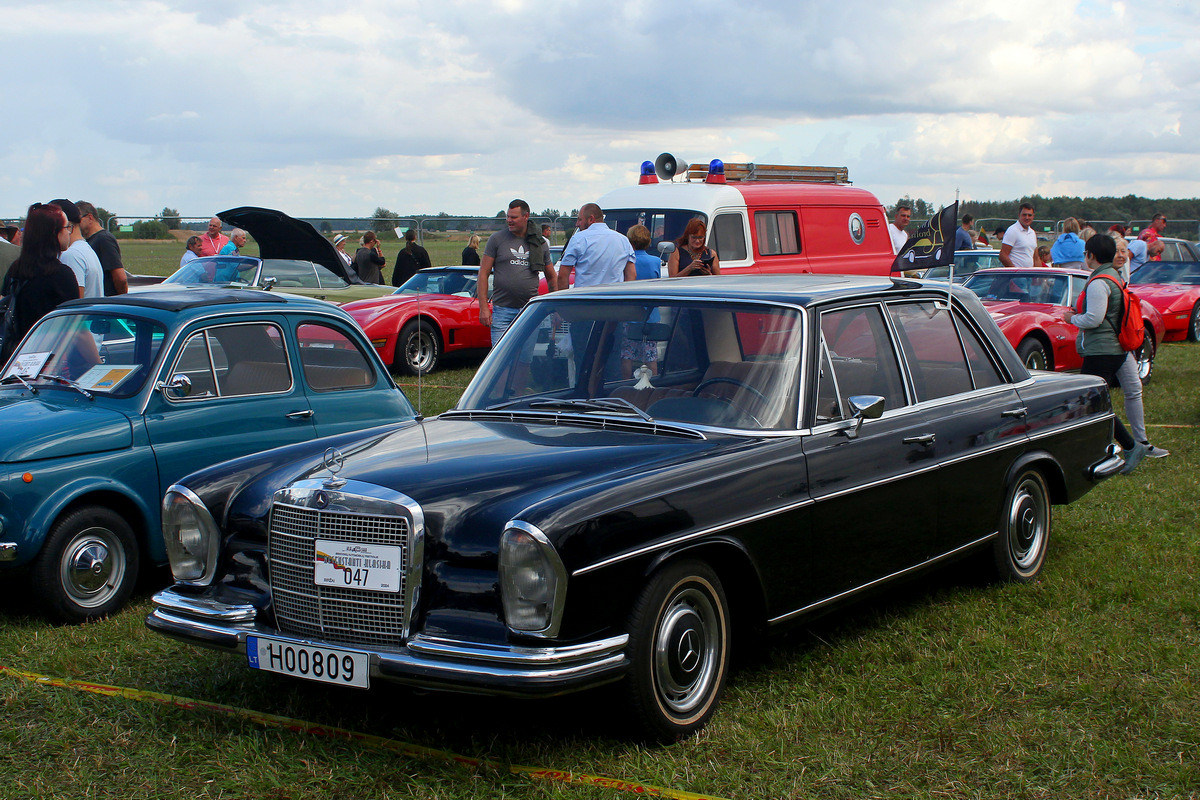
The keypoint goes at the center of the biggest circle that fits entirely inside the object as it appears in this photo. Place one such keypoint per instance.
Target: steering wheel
(735, 382)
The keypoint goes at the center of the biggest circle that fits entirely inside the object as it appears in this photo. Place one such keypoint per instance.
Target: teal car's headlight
(533, 581)
(191, 537)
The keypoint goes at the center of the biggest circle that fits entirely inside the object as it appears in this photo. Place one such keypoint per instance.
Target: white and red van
(762, 218)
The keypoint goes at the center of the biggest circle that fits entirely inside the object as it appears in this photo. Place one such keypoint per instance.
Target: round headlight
(191, 537)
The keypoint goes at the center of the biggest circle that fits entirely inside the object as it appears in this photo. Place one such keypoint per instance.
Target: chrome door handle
(924, 438)
(308, 412)
(1016, 412)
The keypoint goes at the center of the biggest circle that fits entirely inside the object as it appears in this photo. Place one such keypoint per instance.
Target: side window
(327, 279)
(729, 237)
(292, 274)
(931, 346)
(857, 359)
(778, 232)
(195, 363)
(983, 369)
(331, 360)
(258, 361)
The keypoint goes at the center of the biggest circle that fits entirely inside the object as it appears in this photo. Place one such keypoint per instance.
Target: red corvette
(1028, 305)
(1173, 287)
(433, 313)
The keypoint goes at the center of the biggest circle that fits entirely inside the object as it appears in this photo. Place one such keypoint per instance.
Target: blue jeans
(502, 317)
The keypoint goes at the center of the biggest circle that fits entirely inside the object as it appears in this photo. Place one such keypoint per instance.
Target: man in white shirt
(80, 257)
(897, 228)
(1020, 240)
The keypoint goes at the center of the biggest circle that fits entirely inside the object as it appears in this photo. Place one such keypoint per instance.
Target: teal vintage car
(109, 401)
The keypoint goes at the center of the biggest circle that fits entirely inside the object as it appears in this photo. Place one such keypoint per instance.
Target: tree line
(1130, 208)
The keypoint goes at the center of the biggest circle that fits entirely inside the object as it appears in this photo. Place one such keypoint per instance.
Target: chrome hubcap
(686, 650)
(1027, 525)
(92, 568)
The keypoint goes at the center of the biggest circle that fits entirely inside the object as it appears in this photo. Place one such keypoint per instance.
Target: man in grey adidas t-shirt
(514, 257)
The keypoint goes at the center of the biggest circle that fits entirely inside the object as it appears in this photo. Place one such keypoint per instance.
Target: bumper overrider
(424, 661)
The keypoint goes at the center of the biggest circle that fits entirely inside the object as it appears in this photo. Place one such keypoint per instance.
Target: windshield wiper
(15, 377)
(71, 383)
(519, 400)
(616, 405)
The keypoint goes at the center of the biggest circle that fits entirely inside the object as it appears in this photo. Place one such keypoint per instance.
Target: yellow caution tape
(378, 742)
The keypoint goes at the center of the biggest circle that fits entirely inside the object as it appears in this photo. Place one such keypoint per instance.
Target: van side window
(778, 232)
(729, 237)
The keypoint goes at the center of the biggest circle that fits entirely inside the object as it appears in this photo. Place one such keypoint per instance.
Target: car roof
(175, 300)
(1036, 272)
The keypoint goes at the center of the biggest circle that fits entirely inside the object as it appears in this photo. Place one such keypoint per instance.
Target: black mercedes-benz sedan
(638, 475)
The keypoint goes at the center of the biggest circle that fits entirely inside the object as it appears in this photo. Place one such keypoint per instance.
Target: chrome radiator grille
(352, 616)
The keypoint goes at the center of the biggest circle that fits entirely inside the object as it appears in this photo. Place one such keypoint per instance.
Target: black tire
(88, 565)
(1145, 356)
(1020, 549)
(1193, 332)
(679, 646)
(1033, 354)
(418, 348)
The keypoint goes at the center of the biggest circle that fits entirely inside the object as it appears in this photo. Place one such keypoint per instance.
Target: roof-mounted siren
(647, 175)
(666, 166)
(716, 171)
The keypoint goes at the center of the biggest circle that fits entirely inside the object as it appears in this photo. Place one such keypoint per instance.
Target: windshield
(103, 353)
(1024, 287)
(665, 224)
(216, 271)
(1185, 272)
(719, 364)
(441, 281)
(965, 264)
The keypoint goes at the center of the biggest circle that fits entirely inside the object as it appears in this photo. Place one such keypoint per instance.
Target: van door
(728, 236)
(846, 240)
(779, 246)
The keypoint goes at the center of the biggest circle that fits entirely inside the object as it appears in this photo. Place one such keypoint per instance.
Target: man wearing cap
(107, 250)
(213, 240)
(79, 257)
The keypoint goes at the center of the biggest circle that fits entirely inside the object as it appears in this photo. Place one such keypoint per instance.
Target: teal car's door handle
(308, 412)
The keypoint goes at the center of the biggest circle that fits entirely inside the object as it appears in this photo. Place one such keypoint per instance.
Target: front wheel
(418, 348)
(87, 567)
(1033, 354)
(679, 646)
(1020, 549)
(1145, 356)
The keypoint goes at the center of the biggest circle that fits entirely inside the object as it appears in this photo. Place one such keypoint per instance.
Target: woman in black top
(470, 254)
(40, 281)
(412, 258)
(369, 259)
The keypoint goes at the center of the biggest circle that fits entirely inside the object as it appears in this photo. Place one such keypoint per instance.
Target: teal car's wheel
(88, 565)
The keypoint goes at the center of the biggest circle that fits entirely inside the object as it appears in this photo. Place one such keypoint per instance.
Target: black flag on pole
(932, 245)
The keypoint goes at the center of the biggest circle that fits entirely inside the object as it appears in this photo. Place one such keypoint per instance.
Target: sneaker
(1133, 457)
(1155, 452)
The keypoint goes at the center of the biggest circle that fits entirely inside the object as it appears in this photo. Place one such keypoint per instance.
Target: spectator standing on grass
(1140, 252)
(1042, 257)
(339, 244)
(1098, 318)
(192, 251)
(1154, 230)
(1127, 375)
(1067, 250)
(8, 254)
(1020, 240)
(107, 250)
(369, 260)
(898, 226)
(411, 258)
(237, 240)
(470, 253)
(513, 257)
(964, 237)
(597, 254)
(213, 240)
(79, 257)
(38, 280)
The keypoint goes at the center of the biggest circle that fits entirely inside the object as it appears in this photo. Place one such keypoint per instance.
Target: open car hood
(281, 236)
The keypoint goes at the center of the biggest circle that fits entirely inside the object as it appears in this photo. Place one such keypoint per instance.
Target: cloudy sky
(332, 109)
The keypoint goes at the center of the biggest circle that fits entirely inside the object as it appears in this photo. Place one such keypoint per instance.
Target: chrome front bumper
(425, 661)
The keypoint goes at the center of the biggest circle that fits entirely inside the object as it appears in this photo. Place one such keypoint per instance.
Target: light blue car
(109, 401)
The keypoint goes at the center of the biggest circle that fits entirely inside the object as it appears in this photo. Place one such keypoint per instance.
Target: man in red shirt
(1154, 229)
(213, 240)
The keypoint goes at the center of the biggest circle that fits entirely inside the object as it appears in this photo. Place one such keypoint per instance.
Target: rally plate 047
(314, 663)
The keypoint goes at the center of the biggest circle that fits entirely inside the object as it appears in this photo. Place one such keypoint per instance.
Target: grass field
(1084, 684)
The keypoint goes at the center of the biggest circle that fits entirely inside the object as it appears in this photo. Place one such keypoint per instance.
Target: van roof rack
(780, 173)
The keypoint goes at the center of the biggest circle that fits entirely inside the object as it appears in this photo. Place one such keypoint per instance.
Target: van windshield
(665, 224)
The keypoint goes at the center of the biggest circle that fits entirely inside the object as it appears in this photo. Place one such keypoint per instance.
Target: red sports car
(1028, 305)
(1173, 287)
(433, 313)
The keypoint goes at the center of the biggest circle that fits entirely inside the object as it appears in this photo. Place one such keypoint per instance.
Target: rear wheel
(1033, 354)
(418, 348)
(1020, 549)
(1145, 356)
(88, 565)
(1193, 333)
(679, 646)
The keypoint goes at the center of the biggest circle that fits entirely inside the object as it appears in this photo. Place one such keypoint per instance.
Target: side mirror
(177, 387)
(666, 248)
(864, 406)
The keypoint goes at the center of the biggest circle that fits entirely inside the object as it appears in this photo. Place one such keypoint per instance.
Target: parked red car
(433, 313)
(1028, 305)
(1173, 287)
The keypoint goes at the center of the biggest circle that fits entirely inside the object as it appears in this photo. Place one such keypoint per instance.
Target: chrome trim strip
(689, 536)
(8, 551)
(877, 581)
(435, 647)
